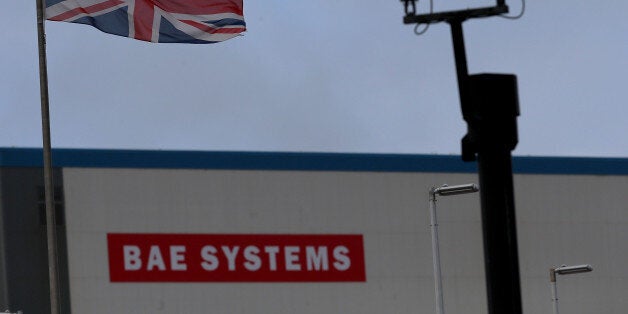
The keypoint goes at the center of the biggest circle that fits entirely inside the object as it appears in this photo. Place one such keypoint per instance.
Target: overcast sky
(332, 76)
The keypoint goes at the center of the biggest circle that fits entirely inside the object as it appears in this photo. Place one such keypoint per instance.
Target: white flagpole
(51, 231)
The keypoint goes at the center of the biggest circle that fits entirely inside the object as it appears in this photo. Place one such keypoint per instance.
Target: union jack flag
(164, 21)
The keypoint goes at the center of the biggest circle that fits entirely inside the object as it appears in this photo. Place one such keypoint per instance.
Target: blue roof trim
(103, 158)
(571, 165)
(96, 158)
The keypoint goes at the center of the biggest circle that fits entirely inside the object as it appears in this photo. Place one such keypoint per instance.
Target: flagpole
(51, 231)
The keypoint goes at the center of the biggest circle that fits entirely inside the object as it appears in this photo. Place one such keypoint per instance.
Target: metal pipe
(51, 232)
(554, 290)
(564, 270)
(499, 230)
(438, 282)
(444, 190)
(494, 158)
(460, 57)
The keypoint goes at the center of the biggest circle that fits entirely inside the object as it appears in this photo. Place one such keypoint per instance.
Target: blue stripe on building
(103, 158)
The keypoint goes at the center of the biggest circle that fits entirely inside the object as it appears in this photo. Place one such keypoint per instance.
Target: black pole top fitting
(412, 17)
(491, 114)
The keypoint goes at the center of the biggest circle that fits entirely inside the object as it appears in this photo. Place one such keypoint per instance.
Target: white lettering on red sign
(235, 258)
(316, 258)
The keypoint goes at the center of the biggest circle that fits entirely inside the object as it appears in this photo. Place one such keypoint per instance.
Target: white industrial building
(300, 233)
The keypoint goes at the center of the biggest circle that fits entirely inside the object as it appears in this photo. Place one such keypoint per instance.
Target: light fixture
(568, 270)
(564, 270)
(444, 190)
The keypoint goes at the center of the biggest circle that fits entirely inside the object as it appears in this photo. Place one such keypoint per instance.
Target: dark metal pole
(461, 61)
(51, 231)
(490, 107)
(460, 56)
(499, 228)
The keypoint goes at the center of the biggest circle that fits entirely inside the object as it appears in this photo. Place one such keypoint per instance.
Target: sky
(321, 76)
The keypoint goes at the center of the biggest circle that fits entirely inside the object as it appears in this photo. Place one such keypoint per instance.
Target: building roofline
(303, 161)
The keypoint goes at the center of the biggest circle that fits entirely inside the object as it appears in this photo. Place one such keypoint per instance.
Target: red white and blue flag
(164, 21)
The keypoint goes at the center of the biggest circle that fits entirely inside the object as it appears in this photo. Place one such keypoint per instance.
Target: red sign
(137, 257)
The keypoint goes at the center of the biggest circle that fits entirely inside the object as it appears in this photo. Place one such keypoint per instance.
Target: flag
(164, 21)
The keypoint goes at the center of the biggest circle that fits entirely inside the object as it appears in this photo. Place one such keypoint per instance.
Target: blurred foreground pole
(48, 180)
(490, 107)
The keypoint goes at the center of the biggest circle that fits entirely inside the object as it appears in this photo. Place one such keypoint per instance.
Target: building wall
(570, 219)
(24, 273)
(388, 209)
(569, 210)
(573, 219)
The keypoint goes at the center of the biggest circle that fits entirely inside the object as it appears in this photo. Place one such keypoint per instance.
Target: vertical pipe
(554, 290)
(499, 229)
(460, 56)
(438, 282)
(48, 179)
(501, 260)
